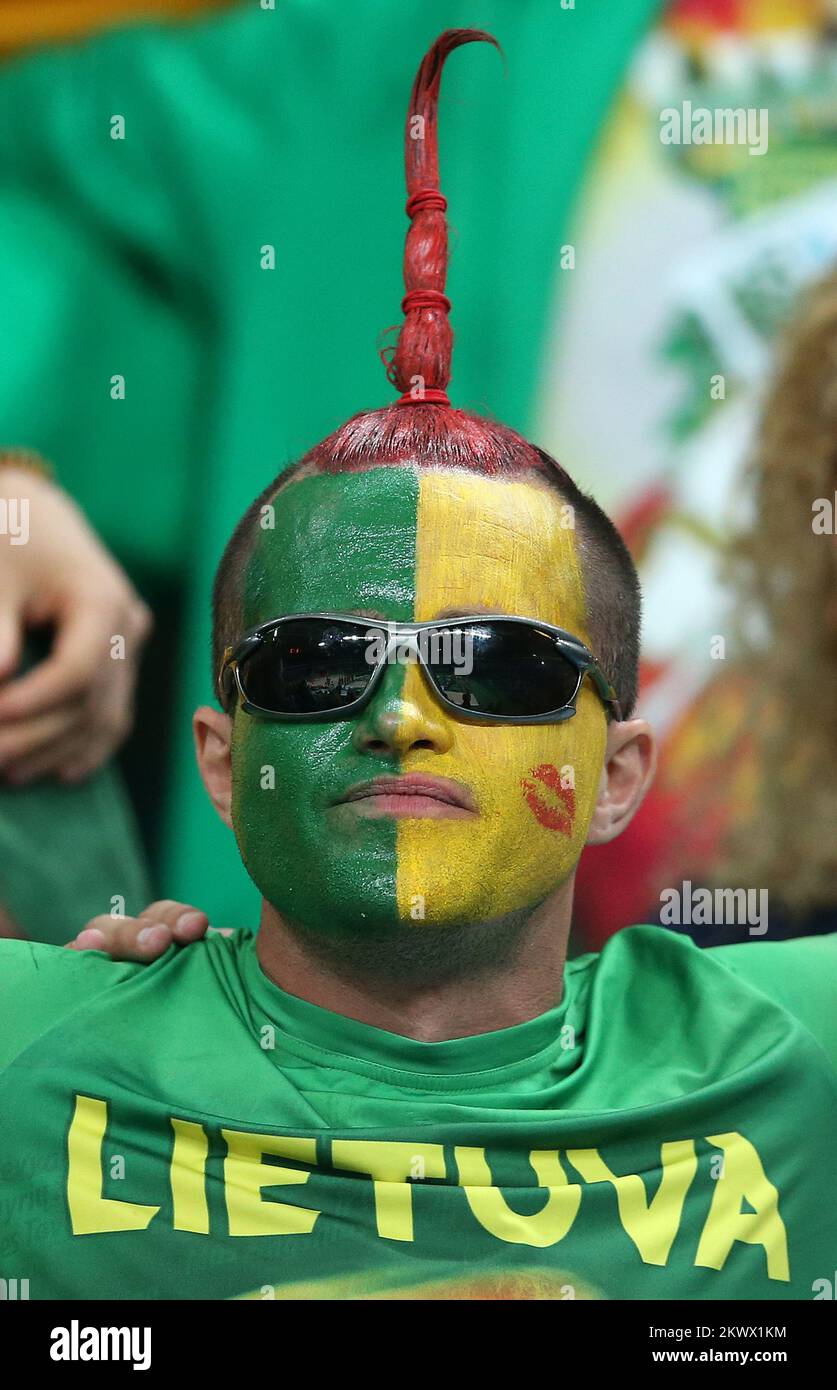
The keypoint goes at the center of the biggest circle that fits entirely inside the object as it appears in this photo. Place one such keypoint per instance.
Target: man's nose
(402, 715)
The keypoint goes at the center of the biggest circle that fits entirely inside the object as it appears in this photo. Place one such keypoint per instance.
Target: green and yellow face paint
(412, 544)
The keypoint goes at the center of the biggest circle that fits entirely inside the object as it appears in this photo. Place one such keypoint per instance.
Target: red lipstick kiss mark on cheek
(555, 815)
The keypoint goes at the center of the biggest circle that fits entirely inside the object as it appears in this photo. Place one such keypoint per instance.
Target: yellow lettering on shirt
(390, 1165)
(188, 1177)
(743, 1178)
(652, 1225)
(245, 1175)
(493, 1212)
(90, 1212)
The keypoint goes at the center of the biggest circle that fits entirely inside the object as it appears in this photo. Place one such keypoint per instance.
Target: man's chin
(414, 950)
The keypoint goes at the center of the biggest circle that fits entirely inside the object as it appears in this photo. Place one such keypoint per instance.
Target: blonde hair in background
(784, 576)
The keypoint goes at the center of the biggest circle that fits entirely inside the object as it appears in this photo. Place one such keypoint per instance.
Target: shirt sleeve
(41, 985)
(799, 975)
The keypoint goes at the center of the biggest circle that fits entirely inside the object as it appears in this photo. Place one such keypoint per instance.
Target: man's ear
(630, 764)
(213, 732)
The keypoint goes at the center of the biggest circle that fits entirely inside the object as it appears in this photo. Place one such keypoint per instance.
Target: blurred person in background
(776, 825)
(68, 839)
(72, 629)
(785, 572)
(746, 795)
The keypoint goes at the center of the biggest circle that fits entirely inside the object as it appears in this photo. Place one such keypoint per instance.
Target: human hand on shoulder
(146, 937)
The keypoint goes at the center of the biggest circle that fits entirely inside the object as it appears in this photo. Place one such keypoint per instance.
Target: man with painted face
(427, 645)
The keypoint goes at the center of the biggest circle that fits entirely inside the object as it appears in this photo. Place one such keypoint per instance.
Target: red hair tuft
(422, 428)
(420, 365)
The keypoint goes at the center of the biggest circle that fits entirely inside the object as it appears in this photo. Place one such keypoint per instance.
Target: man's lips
(414, 795)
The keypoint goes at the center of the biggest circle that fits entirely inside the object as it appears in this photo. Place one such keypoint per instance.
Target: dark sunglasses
(505, 670)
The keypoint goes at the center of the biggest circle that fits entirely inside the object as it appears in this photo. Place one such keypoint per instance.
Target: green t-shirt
(188, 1130)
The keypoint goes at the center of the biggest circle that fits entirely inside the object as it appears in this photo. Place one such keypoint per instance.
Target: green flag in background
(144, 258)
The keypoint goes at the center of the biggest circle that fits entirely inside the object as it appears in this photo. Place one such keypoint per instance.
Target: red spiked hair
(421, 362)
(422, 427)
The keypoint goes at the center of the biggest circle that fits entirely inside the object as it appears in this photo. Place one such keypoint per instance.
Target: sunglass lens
(503, 668)
(308, 666)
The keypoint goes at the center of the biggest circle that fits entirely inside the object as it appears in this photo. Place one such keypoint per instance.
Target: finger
(48, 762)
(124, 938)
(85, 755)
(106, 726)
(70, 743)
(81, 647)
(89, 940)
(186, 923)
(11, 642)
(191, 926)
(46, 734)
